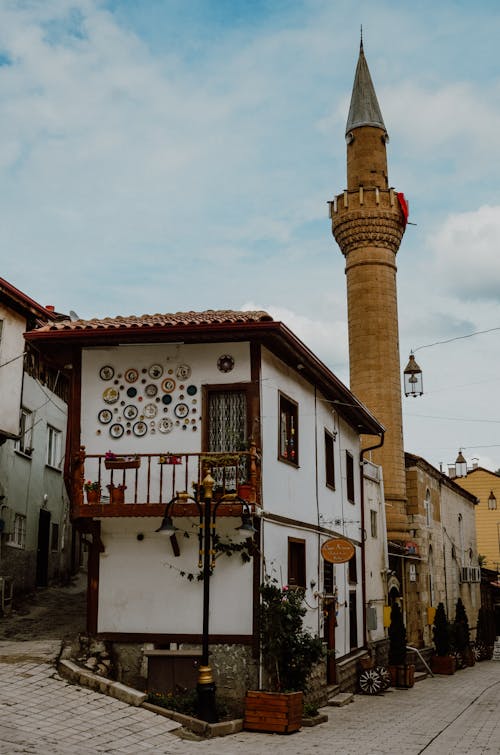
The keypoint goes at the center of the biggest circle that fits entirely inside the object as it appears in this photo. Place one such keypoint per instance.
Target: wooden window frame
(54, 447)
(224, 388)
(290, 408)
(329, 459)
(296, 563)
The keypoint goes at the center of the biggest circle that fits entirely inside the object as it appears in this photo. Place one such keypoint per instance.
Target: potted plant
(93, 491)
(402, 673)
(485, 634)
(116, 493)
(461, 636)
(442, 662)
(288, 654)
(112, 461)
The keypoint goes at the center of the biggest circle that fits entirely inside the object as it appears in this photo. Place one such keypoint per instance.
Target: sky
(170, 155)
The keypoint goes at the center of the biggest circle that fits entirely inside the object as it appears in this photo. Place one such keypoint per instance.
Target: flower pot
(245, 491)
(279, 712)
(443, 664)
(119, 463)
(93, 496)
(117, 495)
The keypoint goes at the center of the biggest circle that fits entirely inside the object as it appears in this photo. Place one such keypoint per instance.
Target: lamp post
(413, 378)
(206, 539)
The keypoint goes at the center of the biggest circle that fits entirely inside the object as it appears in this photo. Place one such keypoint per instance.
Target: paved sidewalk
(44, 715)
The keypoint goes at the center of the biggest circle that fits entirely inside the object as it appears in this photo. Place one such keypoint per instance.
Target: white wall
(11, 348)
(376, 559)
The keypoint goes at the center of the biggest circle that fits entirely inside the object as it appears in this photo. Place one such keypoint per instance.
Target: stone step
(340, 699)
(420, 676)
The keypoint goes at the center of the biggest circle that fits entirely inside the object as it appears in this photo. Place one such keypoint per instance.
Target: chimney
(50, 308)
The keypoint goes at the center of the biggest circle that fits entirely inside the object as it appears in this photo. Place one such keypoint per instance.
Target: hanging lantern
(460, 465)
(413, 378)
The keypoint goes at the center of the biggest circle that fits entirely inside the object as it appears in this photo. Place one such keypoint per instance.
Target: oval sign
(337, 550)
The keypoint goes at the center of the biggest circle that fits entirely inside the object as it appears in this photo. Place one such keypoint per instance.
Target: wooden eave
(60, 344)
(22, 304)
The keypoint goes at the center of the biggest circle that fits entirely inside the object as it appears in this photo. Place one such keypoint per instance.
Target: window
(328, 578)
(53, 447)
(54, 537)
(353, 620)
(289, 431)
(226, 431)
(25, 432)
(352, 570)
(428, 508)
(329, 459)
(18, 535)
(296, 562)
(349, 464)
(373, 523)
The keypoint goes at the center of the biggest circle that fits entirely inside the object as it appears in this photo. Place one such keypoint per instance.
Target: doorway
(42, 553)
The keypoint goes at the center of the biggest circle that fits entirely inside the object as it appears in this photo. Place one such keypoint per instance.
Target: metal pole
(206, 686)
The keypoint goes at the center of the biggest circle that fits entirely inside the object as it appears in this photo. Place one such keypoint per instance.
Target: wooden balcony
(149, 481)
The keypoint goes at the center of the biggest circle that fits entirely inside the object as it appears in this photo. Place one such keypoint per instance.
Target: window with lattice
(288, 430)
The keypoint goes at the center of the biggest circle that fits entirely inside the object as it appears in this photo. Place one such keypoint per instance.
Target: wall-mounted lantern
(460, 465)
(492, 501)
(413, 384)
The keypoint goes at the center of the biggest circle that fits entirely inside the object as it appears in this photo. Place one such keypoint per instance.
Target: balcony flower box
(122, 462)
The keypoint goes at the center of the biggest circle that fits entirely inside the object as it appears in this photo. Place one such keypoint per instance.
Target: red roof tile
(209, 317)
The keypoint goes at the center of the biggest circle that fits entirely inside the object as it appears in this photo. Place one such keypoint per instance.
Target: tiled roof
(209, 317)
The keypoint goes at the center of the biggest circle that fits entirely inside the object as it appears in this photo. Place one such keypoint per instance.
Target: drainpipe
(363, 531)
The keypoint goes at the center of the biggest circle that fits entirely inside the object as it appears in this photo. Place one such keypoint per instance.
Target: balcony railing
(142, 484)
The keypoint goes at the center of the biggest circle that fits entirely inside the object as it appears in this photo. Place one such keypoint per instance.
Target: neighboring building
(36, 545)
(443, 527)
(376, 558)
(485, 485)
(368, 221)
(239, 393)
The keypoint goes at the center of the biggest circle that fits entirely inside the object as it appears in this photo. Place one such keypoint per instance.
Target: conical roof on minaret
(364, 109)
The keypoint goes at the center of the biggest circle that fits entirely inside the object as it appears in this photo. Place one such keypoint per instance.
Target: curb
(85, 678)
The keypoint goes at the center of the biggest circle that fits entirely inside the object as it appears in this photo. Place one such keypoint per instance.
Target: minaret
(368, 223)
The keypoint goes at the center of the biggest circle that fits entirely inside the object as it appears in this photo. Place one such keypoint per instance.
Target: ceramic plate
(191, 390)
(105, 416)
(167, 399)
(165, 425)
(111, 395)
(181, 410)
(225, 363)
(155, 371)
(131, 375)
(131, 392)
(130, 412)
(150, 411)
(116, 431)
(106, 372)
(183, 372)
(168, 385)
(140, 429)
(151, 390)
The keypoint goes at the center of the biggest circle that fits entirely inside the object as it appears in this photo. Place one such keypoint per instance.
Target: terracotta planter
(403, 676)
(279, 712)
(245, 491)
(93, 496)
(443, 664)
(117, 495)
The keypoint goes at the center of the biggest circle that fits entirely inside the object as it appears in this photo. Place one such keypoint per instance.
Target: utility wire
(456, 338)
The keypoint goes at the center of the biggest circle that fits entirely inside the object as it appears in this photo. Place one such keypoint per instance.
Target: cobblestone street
(44, 714)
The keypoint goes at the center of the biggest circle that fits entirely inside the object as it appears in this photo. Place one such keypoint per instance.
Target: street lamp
(413, 378)
(206, 540)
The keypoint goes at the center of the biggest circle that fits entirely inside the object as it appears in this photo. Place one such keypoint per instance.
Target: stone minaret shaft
(368, 225)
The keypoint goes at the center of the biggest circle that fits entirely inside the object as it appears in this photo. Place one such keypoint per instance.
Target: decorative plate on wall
(105, 416)
(111, 395)
(168, 385)
(131, 375)
(130, 412)
(225, 363)
(191, 390)
(150, 411)
(181, 410)
(116, 431)
(131, 392)
(155, 371)
(165, 425)
(183, 372)
(167, 399)
(151, 390)
(140, 429)
(107, 372)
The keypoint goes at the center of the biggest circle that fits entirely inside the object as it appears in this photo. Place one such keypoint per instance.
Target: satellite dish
(73, 316)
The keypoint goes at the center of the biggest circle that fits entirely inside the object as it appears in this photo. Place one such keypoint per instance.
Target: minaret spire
(364, 109)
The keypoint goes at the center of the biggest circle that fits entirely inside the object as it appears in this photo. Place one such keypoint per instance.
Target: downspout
(318, 555)
(363, 531)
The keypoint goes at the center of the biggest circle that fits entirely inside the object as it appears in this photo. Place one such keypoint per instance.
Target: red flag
(404, 205)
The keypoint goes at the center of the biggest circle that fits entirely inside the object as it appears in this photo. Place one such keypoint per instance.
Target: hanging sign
(337, 550)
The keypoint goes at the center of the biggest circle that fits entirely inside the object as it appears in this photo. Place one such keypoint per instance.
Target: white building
(240, 393)
(35, 542)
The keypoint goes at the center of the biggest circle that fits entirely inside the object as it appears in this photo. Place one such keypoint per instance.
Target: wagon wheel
(479, 650)
(385, 677)
(369, 682)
